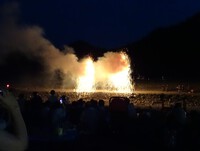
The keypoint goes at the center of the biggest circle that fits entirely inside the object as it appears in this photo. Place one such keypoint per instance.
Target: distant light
(7, 85)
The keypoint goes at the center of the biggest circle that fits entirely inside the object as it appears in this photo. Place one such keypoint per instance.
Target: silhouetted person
(178, 115)
(89, 120)
(21, 101)
(176, 121)
(64, 100)
(53, 99)
(162, 100)
(104, 117)
(36, 106)
(36, 100)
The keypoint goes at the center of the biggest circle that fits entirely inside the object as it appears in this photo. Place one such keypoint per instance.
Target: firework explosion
(111, 73)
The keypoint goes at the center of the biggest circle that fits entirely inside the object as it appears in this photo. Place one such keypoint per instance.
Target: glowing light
(121, 81)
(86, 82)
(7, 85)
(115, 72)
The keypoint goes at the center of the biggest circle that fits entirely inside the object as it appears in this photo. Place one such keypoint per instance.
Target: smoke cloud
(27, 58)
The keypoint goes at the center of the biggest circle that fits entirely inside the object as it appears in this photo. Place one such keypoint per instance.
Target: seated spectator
(16, 138)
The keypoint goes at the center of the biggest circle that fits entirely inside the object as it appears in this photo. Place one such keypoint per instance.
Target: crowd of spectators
(54, 122)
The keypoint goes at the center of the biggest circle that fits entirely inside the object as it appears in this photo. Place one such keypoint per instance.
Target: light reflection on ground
(145, 95)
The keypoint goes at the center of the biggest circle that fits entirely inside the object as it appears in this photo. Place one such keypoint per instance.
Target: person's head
(52, 92)
(101, 102)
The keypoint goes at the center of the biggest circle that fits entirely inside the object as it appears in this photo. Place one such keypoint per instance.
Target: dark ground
(143, 133)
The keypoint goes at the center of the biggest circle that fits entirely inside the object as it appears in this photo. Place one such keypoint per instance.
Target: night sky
(103, 23)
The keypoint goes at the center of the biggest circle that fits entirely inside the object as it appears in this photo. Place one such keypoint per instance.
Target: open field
(146, 94)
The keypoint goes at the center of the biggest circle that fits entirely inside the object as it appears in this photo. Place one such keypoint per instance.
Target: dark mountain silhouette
(170, 52)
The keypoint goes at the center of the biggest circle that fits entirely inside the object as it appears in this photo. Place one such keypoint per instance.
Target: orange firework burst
(121, 81)
(111, 73)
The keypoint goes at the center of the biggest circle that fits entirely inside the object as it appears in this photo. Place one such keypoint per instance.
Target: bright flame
(116, 75)
(86, 82)
(121, 81)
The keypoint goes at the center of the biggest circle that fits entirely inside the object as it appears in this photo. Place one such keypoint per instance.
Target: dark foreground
(86, 125)
(142, 133)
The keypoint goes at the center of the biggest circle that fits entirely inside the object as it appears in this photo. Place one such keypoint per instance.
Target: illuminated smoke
(112, 73)
(26, 54)
(121, 81)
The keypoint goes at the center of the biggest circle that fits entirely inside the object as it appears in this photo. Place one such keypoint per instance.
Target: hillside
(171, 52)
